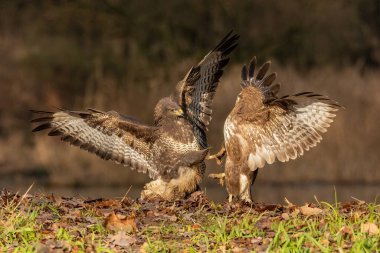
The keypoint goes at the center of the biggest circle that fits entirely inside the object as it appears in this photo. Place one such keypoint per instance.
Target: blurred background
(125, 55)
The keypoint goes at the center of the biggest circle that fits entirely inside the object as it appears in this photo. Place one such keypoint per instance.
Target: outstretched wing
(196, 91)
(281, 128)
(107, 134)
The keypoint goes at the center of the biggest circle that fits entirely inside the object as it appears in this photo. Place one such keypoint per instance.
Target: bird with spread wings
(263, 127)
(172, 151)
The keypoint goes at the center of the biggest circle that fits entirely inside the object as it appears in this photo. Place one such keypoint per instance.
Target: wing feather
(196, 91)
(287, 132)
(106, 134)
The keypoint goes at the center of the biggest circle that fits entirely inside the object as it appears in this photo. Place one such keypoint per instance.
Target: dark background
(125, 55)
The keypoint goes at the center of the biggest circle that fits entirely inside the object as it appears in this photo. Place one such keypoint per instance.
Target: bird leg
(245, 184)
(245, 189)
(219, 176)
(218, 156)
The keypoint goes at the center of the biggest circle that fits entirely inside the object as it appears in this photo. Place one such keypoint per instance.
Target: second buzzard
(262, 127)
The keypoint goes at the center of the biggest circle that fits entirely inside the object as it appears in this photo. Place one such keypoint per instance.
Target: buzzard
(263, 126)
(173, 149)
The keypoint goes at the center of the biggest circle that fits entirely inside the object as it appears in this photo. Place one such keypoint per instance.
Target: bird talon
(218, 158)
(219, 176)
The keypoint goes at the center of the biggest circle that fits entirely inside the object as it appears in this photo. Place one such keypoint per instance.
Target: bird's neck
(170, 122)
(177, 128)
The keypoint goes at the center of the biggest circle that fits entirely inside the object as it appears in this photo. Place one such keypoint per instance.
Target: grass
(32, 223)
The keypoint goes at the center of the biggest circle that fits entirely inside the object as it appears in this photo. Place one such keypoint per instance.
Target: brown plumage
(173, 150)
(263, 127)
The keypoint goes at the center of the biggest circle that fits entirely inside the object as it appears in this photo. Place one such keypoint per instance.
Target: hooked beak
(178, 112)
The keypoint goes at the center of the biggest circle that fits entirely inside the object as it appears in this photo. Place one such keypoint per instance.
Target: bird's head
(167, 108)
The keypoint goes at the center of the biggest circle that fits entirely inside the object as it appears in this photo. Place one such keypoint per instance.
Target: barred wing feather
(196, 91)
(107, 134)
(285, 128)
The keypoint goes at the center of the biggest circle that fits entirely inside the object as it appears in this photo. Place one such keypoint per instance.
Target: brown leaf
(172, 218)
(285, 216)
(295, 213)
(325, 242)
(121, 239)
(310, 211)
(269, 207)
(369, 228)
(56, 199)
(263, 224)
(40, 247)
(257, 240)
(108, 203)
(114, 223)
(239, 250)
(346, 231)
(356, 215)
(297, 235)
(196, 226)
(144, 247)
(75, 249)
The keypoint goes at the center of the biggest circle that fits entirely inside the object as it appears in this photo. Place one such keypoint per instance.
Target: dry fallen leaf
(122, 239)
(196, 226)
(346, 231)
(356, 215)
(310, 211)
(108, 203)
(296, 235)
(144, 247)
(369, 228)
(264, 224)
(74, 249)
(239, 250)
(56, 199)
(295, 213)
(256, 240)
(325, 242)
(285, 216)
(222, 248)
(114, 223)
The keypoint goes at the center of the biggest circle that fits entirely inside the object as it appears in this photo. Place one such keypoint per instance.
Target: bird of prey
(263, 126)
(172, 150)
